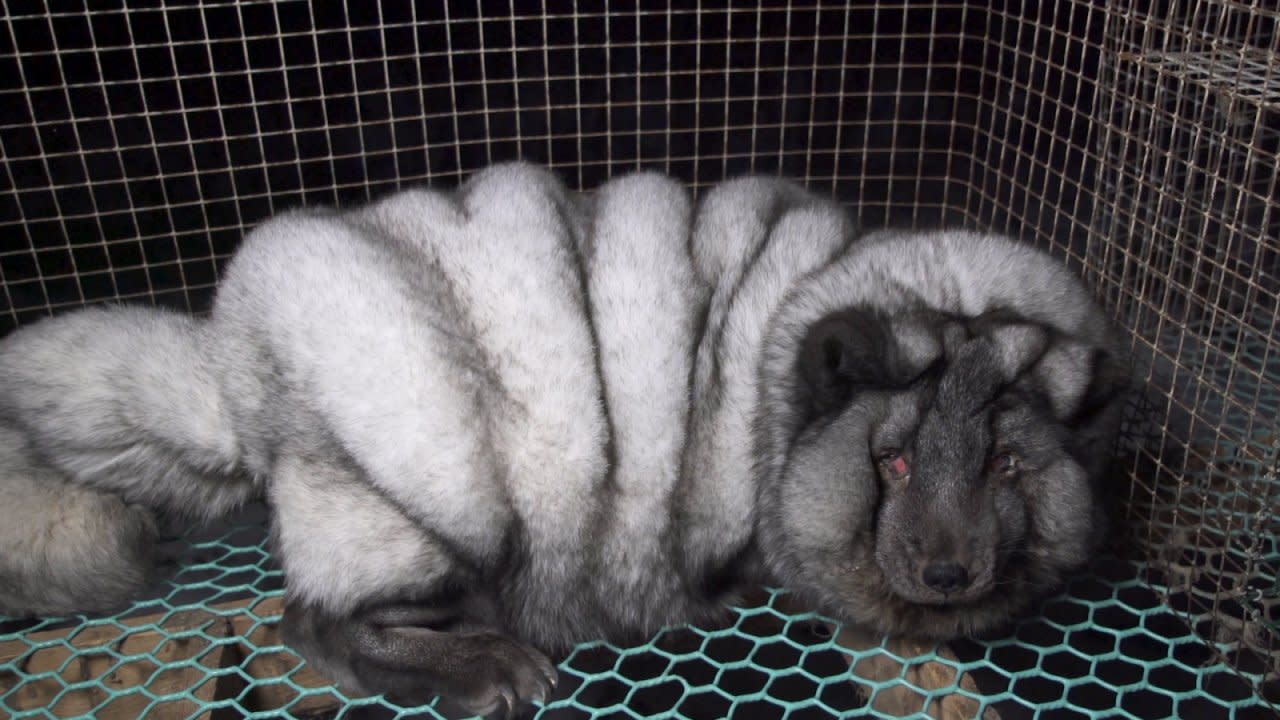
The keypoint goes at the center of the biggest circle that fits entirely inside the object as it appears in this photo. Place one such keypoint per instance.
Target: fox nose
(946, 577)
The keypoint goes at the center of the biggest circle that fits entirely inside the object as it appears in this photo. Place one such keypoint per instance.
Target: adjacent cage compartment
(1137, 141)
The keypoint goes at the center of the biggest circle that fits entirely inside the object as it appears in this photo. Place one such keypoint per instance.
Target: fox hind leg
(66, 548)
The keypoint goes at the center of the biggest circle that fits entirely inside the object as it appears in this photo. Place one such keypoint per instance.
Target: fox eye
(1002, 463)
(893, 465)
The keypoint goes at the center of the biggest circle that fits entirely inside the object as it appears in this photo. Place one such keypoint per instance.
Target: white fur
(514, 270)
(95, 391)
(372, 364)
(66, 548)
(720, 473)
(334, 534)
(646, 302)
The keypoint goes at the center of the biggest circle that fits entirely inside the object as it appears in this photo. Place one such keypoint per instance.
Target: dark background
(141, 144)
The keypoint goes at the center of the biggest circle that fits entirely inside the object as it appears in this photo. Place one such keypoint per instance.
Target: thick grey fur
(494, 422)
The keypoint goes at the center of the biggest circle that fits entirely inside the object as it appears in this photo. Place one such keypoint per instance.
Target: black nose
(946, 577)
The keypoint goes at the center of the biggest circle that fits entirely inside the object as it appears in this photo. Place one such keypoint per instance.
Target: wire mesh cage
(1137, 141)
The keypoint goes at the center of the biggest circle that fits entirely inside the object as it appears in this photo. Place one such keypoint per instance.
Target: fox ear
(1104, 383)
(1064, 375)
(845, 352)
(1017, 342)
(1072, 375)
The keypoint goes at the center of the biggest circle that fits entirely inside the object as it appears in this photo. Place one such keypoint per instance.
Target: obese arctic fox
(496, 421)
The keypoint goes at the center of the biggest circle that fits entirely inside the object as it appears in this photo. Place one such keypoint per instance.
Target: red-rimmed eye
(893, 464)
(1003, 463)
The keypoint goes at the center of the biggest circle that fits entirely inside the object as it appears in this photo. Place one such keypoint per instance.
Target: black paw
(411, 653)
(493, 675)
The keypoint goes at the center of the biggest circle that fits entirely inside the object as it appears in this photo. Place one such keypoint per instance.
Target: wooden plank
(80, 654)
(927, 695)
(265, 666)
(90, 655)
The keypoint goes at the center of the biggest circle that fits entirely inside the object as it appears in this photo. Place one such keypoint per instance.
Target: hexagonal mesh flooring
(205, 646)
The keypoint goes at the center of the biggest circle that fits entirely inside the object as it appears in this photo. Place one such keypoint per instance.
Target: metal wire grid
(1191, 260)
(141, 143)
(1158, 180)
(1035, 135)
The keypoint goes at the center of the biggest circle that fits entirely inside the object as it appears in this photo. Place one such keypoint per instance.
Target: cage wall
(1137, 141)
(141, 144)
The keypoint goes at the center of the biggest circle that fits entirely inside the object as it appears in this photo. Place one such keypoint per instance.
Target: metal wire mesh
(1201, 292)
(1139, 141)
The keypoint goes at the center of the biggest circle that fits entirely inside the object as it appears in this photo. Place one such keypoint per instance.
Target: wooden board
(78, 669)
(930, 688)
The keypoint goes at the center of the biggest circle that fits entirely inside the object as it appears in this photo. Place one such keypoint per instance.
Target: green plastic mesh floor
(1103, 647)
